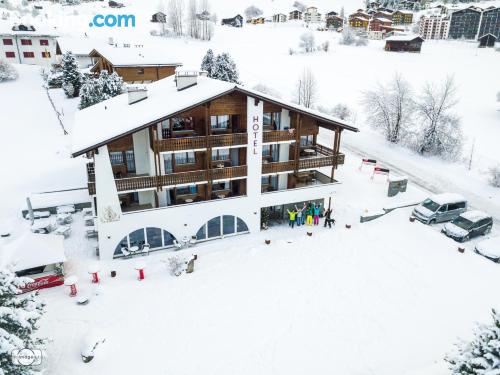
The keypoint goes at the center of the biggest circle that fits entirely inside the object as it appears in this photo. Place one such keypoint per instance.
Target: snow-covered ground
(385, 297)
(388, 296)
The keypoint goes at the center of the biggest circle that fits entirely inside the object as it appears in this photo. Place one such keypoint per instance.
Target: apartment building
(25, 44)
(311, 15)
(434, 26)
(193, 157)
(464, 23)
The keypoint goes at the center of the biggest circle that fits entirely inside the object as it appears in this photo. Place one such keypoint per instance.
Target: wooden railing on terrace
(306, 163)
(180, 178)
(193, 143)
(278, 136)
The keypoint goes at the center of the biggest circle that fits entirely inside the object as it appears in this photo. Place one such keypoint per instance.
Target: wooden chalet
(159, 17)
(295, 15)
(487, 40)
(236, 21)
(139, 65)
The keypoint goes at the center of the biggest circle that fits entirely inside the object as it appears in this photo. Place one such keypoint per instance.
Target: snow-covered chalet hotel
(189, 156)
(25, 44)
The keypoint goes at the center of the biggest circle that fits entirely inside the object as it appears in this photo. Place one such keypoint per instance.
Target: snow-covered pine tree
(112, 84)
(207, 63)
(19, 315)
(481, 356)
(72, 78)
(7, 71)
(91, 92)
(225, 68)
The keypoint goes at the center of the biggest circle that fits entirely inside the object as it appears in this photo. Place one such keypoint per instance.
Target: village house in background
(295, 15)
(464, 23)
(334, 21)
(487, 40)
(490, 22)
(404, 43)
(311, 15)
(236, 21)
(159, 17)
(400, 17)
(80, 49)
(190, 142)
(279, 17)
(25, 44)
(134, 65)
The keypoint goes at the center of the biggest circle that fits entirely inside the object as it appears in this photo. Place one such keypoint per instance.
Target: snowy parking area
(382, 297)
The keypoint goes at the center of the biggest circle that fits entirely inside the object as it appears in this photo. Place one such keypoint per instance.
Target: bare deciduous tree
(192, 20)
(299, 6)
(306, 89)
(175, 13)
(390, 108)
(441, 130)
(252, 11)
(307, 42)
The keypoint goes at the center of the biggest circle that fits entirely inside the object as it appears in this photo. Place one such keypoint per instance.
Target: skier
(291, 214)
(317, 210)
(328, 219)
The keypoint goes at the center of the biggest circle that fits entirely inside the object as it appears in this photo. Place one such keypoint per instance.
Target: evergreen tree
(7, 71)
(19, 315)
(481, 356)
(112, 84)
(72, 78)
(225, 68)
(207, 63)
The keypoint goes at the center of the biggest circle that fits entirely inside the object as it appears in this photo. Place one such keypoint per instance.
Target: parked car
(489, 248)
(440, 208)
(467, 225)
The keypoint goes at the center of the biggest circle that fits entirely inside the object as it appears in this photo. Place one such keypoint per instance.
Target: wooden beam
(335, 154)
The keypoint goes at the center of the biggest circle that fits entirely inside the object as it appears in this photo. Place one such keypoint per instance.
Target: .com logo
(111, 20)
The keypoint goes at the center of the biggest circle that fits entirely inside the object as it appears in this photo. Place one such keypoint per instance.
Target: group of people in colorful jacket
(309, 214)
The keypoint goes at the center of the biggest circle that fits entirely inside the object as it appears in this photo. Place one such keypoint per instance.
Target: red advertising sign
(43, 282)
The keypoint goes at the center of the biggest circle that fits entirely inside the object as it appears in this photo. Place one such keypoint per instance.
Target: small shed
(487, 40)
(404, 43)
(236, 21)
(159, 17)
(38, 256)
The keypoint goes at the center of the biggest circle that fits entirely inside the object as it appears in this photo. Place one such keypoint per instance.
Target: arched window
(221, 226)
(156, 238)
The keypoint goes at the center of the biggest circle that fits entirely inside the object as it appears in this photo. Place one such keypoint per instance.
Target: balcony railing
(193, 143)
(305, 163)
(181, 178)
(278, 136)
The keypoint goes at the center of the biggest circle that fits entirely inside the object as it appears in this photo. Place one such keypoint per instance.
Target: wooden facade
(132, 73)
(404, 45)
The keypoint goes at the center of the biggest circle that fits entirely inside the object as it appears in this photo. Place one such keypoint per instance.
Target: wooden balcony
(181, 178)
(200, 142)
(278, 136)
(278, 167)
(304, 163)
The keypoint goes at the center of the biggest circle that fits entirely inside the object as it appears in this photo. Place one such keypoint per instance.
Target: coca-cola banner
(43, 282)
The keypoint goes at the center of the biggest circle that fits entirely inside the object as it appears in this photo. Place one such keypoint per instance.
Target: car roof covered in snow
(489, 247)
(136, 56)
(163, 101)
(447, 198)
(33, 250)
(475, 215)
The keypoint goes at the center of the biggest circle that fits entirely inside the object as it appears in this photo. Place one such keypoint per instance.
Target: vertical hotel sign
(255, 131)
(254, 146)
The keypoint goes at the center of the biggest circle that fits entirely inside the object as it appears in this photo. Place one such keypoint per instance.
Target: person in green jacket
(291, 215)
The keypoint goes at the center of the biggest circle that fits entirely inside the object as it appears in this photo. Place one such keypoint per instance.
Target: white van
(440, 207)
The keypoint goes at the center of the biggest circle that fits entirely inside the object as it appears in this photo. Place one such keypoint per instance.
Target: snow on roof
(475, 215)
(6, 28)
(447, 198)
(403, 38)
(79, 46)
(59, 198)
(163, 101)
(33, 250)
(137, 56)
(382, 19)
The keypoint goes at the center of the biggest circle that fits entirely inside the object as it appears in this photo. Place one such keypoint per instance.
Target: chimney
(185, 78)
(136, 93)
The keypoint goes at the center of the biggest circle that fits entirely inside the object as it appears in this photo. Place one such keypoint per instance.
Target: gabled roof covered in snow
(134, 56)
(103, 122)
(33, 250)
(26, 30)
(404, 38)
(79, 46)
